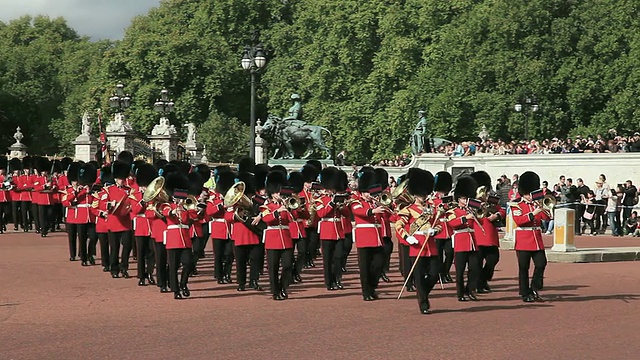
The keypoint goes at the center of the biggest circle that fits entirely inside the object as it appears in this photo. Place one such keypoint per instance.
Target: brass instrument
(235, 197)
(401, 196)
(312, 211)
(384, 199)
(292, 202)
(155, 191)
(422, 222)
(190, 203)
(548, 203)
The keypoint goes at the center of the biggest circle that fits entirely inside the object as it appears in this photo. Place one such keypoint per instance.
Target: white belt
(421, 233)
(467, 230)
(141, 215)
(83, 205)
(171, 227)
(301, 220)
(367, 226)
(218, 220)
(529, 228)
(331, 219)
(278, 227)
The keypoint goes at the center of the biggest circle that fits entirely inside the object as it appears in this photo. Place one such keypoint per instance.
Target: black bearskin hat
(246, 165)
(261, 171)
(120, 169)
(224, 181)
(204, 171)
(43, 164)
(106, 177)
(64, 163)
(195, 183)
(73, 171)
(482, 178)
(145, 173)
(275, 181)
(443, 182)
(382, 177)
(4, 162)
(309, 173)
(249, 181)
(296, 181)
(159, 164)
(184, 167)
(27, 162)
(342, 181)
(176, 180)
(366, 179)
(218, 169)
(126, 157)
(528, 182)
(57, 166)
(328, 178)
(315, 163)
(95, 163)
(168, 169)
(465, 187)
(87, 174)
(15, 164)
(420, 182)
(135, 165)
(280, 168)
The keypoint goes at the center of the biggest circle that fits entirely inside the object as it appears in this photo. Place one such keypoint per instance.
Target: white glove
(432, 231)
(411, 240)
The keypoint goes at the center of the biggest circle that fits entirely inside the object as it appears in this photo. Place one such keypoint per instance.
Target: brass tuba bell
(235, 197)
(155, 191)
(401, 195)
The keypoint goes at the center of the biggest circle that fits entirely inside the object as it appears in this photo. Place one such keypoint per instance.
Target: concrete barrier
(564, 230)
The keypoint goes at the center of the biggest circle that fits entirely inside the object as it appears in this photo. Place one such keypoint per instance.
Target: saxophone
(312, 212)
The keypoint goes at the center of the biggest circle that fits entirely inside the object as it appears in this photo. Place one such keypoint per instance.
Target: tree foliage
(363, 67)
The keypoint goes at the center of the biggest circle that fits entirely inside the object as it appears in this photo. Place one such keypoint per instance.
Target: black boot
(151, 279)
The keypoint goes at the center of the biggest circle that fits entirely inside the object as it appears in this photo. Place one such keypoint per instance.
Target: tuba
(155, 192)
(401, 196)
(235, 197)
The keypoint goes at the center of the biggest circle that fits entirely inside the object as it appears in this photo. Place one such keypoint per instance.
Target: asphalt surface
(51, 308)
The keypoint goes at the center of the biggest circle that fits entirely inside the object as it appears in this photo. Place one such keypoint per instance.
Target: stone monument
(86, 144)
(120, 134)
(164, 138)
(193, 148)
(18, 150)
(260, 150)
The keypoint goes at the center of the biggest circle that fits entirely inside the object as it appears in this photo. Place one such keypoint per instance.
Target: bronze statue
(419, 135)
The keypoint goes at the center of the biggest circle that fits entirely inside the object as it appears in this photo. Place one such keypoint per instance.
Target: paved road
(51, 308)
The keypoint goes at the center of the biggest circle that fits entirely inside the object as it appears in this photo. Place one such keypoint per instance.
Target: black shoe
(194, 272)
(115, 276)
(125, 274)
(221, 282)
(344, 269)
(375, 295)
(142, 282)
(186, 292)
(472, 296)
(16, 229)
(482, 291)
(92, 260)
(385, 278)
(528, 298)
(462, 298)
(135, 258)
(277, 297)
(368, 298)
(37, 231)
(332, 287)
(297, 278)
(73, 258)
(448, 278)
(425, 308)
(151, 280)
(177, 295)
(241, 288)
(164, 289)
(411, 288)
(84, 263)
(338, 284)
(106, 269)
(536, 296)
(227, 278)
(312, 264)
(255, 286)
(284, 294)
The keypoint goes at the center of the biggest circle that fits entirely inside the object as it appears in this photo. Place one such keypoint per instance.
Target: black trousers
(279, 280)
(35, 216)
(489, 258)
(162, 267)
(243, 254)
(579, 212)
(445, 251)
(4, 210)
(387, 245)
(370, 263)
(332, 255)
(313, 238)
(175, 258)
(426, 276)
(104, 248)
(115, 240)
(16, 209)
(301, 255)
(472, 259)
(146, 256)
(93, 239)
(223, 258)
(524, 262)
(77, 234)
(45, 213)
(205, 236)
(25, 212)
(58, 214)
(348, 246)
(405, 262)
(198, 249)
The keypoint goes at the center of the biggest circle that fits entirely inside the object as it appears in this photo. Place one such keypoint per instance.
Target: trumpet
(292, 202)
(548, 203)
(190, 203)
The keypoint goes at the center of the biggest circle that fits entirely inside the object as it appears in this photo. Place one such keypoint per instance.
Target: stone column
(18, 150)
(260, 149)
(564, 230)
(121, 141)
(166, 144)
(86, 147)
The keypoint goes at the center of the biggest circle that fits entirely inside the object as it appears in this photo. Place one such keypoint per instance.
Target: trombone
(548, 203)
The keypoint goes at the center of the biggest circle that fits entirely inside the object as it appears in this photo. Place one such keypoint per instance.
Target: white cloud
(99, 19)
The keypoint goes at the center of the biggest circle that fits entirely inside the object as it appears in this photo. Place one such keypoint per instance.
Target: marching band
(166, 213)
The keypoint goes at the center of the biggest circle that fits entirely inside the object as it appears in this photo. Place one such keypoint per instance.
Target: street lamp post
(253, 60)
(164, 105)
(528, 106)
(119, 100)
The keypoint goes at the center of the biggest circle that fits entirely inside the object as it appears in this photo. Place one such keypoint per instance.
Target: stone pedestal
(508, 241)
(260, 151)
(166, 144)
(121, 141)
(18, 150)
(86, 147)
(195, 152)
(564, 230)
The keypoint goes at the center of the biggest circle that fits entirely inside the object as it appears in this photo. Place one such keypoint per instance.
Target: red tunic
(177, 234)
(368, 231)
(44, 195)
(446, 228)
(99, 211)
(408, 216)
(158, 225)
(78, 205)
(5, 195)
(463, 238)
(240, 233)
(528, 234)
(122, 221)
(330, 224)
(219, 227)
(490, 235)
(14, 194)
(24, 185)
(297, 227)
(277, 236)
(141, 224)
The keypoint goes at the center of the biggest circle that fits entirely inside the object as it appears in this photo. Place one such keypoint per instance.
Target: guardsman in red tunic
(347, 226)
(382, 178)
(15, 165)
(487, 240)
(423, 249)
(528, 216)
(119, 220)
(298, 227)
(277, 236)
(441, 199)
(177, 238)
(367, 234)
(220, 227)
(310, 175)
(100, 214)
(145, 173)
(77, 201)
(46, 185)
(462, 219)
(404, 262)
(5, 196)
(197, 190)
(330, 209)
(245, 239)
(199, 249)
(25, 186)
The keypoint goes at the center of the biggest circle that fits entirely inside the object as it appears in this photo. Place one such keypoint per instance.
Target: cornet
(292, 202)
(548, 203)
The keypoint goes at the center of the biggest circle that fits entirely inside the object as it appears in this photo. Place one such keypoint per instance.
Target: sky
(98, 19)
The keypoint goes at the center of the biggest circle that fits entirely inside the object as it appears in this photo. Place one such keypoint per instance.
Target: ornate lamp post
(253, 60)
(164, 105)
(120, 101)
(528, 106)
